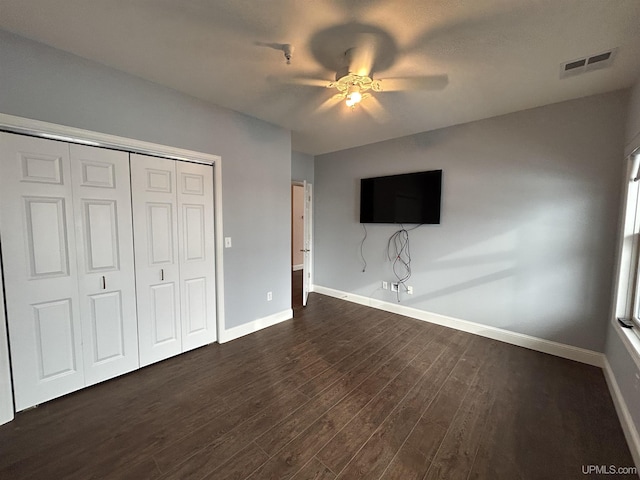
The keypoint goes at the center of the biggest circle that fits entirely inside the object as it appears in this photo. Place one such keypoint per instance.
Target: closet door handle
(162, 274)
(104, 283)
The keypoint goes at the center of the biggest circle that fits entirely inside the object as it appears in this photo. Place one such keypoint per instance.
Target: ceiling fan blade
(306, 81)
(375, 109)
(430, 82)
(363, 55)
(329, 103)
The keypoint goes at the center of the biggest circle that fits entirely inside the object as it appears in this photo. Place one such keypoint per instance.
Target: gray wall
(620, 359)
(42, 83)
(529, 217)
(633, 117)
(302, 167)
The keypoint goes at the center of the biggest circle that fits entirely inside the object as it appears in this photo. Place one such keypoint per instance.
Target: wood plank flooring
(296, 288)
(340, 392)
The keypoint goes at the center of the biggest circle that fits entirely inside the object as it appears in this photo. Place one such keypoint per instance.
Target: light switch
(227, 242)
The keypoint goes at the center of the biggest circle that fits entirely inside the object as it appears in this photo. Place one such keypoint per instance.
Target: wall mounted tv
(407, 198)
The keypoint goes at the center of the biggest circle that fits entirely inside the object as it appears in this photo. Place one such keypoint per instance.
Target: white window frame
(629, 300)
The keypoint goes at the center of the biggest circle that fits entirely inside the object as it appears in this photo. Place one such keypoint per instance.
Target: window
(628, 291)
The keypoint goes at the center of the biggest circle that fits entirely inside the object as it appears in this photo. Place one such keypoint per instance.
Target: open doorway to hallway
(300, 243)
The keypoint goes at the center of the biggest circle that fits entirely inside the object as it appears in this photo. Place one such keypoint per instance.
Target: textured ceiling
(499, 56)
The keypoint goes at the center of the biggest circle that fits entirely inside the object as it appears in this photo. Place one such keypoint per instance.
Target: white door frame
(307, 280)
(6, 397)
(11, 123)
(295, 184)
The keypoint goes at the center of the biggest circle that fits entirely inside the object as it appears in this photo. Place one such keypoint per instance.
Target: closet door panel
(197, 262)
(46, 230)
(41, 278)
(153, 183)
(107, 325)
(160, 227)
(163, 312)
(102, 201)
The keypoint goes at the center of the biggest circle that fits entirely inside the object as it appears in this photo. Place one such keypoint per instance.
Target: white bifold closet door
(41, 275)
(174, 249)
(65, 223)
(197, 254)
(102, 205)
(153, 182)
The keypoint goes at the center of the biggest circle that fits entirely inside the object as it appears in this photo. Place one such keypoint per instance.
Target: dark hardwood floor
(340, 392)
(296, 289)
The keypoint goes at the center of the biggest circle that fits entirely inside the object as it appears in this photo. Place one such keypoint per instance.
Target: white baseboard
(254, 326)
(295, 268)
(624, 415)
(570, 352)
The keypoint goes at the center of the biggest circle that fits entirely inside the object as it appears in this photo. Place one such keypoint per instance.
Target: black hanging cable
(364, 261)
(399, 252)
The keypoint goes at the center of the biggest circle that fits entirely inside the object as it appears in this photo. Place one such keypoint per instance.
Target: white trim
(77, 135)
(309, 246)
(37, 128)
(582, 355)
(632, 145)
(624, 415)
(295, 268)
(254, 326)
(6, 391)
(219, 241)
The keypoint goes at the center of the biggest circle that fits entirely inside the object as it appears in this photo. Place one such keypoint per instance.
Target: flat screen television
(407, 198)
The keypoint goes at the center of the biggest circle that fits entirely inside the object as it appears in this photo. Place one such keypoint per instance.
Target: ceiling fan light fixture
(353, 96)
(352, 87)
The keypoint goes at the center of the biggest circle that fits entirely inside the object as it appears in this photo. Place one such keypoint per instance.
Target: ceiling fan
(355, 78)
(355, 66)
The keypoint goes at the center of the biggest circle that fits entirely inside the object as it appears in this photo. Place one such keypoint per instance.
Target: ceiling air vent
(587, 64)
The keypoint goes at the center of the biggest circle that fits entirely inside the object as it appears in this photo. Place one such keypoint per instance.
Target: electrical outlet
(269, 296)
(385, 285)
(394, 287)
(409, 290)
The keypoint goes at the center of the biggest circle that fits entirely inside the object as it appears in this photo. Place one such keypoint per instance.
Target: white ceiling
(500, 56)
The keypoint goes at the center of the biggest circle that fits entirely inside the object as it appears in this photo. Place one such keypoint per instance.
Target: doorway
(301, 231)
